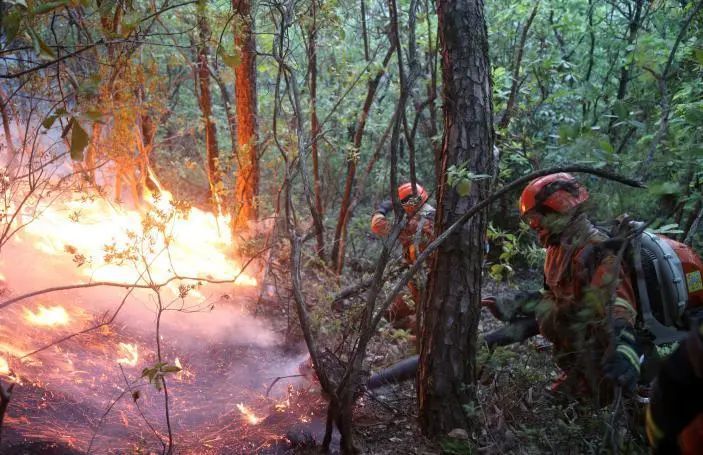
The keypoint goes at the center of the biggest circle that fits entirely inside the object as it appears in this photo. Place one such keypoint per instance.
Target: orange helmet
(556, 193)
(412, 201)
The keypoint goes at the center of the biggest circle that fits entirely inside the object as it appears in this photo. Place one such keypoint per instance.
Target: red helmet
(558, 193)
(405, 194)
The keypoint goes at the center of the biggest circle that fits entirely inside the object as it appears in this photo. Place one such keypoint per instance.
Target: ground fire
(89, 391)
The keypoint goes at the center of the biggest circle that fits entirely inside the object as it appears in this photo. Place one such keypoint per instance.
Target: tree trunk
(632, 30)
(340, 233)
(205, 100)
(247, 185)
(315, 126)
(512, 98)
(451, 309)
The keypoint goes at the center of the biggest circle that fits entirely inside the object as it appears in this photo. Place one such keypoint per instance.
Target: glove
(385, 207)
(622, 366)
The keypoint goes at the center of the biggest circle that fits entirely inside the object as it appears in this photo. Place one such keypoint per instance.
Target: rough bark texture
(247, 186)
(205, 100)
(448, 342)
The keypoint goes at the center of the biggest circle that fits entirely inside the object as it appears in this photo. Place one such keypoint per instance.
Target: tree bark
(247, 185)
(205, 100)
(451, 308)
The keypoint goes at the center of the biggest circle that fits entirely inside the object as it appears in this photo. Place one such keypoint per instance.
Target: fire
(130, 353)
(52, 316)
(199, 243)
(4, 366)
(250, 416)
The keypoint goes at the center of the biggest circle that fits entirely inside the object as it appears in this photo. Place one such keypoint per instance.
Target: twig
(268, 389)
(139, 409)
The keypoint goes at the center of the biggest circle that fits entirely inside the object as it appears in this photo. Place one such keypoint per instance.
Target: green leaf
(11, 24)
(79, 141)
(106, 7)
(46, 7)
(698, 56)
(463, 187)
(40, 47)
(49, 121)
(170, 369)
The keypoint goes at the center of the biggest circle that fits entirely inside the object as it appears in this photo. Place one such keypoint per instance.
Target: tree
(205, 101)
(451, 308)
(247, 185)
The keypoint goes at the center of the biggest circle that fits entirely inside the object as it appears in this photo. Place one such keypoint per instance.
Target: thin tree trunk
(212, 152)
(591, 60)
(4, 105)
(247, 185)
(451, 308)
(632, 30)
(315, 126)
(510, 106)
(227, 104)
(340, 233)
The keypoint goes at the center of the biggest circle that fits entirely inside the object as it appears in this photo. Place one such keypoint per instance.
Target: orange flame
(198, 242)
(250, 416)
(130, 353)
(52, 316)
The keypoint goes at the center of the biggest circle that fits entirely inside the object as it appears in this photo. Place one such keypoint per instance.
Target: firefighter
(587, 308)
(414, 238)
(675, 412)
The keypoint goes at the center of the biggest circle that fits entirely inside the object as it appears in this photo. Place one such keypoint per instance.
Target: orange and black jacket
(573, 270)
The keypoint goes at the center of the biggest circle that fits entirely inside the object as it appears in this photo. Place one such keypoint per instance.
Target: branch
(52, 62)
(9, 302)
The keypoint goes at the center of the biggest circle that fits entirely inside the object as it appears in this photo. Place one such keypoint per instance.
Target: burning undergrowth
(169, 320)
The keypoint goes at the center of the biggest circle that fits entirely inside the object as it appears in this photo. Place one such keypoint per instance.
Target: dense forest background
(611, 84)
(294, 118)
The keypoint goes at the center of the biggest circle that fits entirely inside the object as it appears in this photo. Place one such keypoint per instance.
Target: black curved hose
(406, 369)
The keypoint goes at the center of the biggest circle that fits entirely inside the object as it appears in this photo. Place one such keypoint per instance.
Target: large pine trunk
(247, 185)
(451, 309)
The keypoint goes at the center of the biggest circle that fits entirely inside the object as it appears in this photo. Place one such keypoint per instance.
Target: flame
(199, 243)
(52, 316)
(130, 353)
(250, 416)
(4, 366)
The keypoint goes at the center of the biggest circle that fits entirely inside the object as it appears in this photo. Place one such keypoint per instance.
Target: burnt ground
(514, 413)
